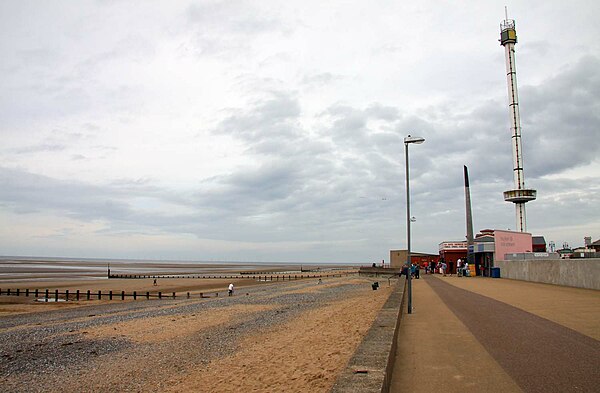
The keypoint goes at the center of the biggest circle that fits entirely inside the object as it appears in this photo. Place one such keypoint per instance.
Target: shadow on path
(540, 355)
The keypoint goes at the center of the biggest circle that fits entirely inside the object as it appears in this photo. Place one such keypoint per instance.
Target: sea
(20, 268)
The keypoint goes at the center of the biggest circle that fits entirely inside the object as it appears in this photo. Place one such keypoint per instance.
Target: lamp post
(407, 140)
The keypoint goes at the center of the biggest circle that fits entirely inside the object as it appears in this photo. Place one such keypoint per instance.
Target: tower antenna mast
(519, 195)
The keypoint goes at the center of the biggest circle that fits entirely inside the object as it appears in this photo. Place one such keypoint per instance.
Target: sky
(273, 130)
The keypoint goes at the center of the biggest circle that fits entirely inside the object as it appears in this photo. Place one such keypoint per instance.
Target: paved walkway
(493, 335)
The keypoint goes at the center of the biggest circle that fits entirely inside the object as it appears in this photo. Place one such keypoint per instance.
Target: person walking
(459, 272)
(230, 290)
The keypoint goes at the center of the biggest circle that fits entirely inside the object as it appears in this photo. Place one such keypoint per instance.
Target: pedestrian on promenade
(404, 270)
(417, 271)
(459, 267)
(230, 291)
(443, 268)
(412, 269)
(466, 271)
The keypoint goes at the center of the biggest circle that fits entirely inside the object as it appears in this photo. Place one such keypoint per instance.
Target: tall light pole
(407, 140)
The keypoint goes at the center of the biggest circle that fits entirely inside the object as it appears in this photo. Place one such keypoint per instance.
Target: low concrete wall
(370, 368)
(580, 273)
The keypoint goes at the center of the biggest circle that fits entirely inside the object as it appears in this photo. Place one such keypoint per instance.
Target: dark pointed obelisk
(468, 209)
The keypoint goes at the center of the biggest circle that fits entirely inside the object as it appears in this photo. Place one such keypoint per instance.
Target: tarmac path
(497, 342)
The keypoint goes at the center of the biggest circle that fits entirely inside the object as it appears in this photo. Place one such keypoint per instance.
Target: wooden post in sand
(134, 295)
(188, 295)
(99, 295)
(36, 293)
(109, 295)
(56, 295)
(147, 295)
(122, 295)
(173, 295)
(77, 295)
(47, 295)
(160, 295)
(87, 295)
(26, 292)
(67, 295)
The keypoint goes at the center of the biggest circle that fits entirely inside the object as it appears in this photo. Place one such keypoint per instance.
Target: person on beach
(155, 284)
(230, 290)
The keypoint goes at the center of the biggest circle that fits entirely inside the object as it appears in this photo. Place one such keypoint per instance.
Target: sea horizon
(36, 268)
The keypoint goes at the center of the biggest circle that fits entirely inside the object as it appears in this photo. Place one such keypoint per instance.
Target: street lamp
(417, 140)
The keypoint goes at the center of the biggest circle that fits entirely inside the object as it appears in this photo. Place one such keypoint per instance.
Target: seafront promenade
(498, 335)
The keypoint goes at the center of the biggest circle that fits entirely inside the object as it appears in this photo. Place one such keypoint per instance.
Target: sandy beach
(294, 337)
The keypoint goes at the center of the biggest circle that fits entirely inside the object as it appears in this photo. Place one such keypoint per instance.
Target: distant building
(539, 244)
(451, 251)
(398, 258)
(494, 244)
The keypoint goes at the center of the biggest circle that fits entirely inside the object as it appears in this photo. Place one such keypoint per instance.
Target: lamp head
(414, 139)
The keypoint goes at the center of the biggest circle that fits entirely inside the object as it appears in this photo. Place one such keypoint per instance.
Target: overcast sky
(272, 130)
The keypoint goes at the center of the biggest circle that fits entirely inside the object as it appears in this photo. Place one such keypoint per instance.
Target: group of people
(415, 270)
(462, 268)
(443, 268)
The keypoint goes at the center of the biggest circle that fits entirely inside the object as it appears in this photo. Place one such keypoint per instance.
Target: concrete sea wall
(370, 369)
(580, 273)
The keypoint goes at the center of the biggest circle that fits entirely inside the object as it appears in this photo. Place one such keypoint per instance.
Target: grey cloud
(222, 28)
(561, 118)
(39, 148)
(270, 118)
(320, 79)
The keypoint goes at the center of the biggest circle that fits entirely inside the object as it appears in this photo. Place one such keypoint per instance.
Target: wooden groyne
(257, 277)
(66, 295)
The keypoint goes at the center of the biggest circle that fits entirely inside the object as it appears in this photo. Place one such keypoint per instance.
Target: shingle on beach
(295, 337)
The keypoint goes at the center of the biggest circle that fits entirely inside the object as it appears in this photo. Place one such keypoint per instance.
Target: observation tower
(519, 195)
